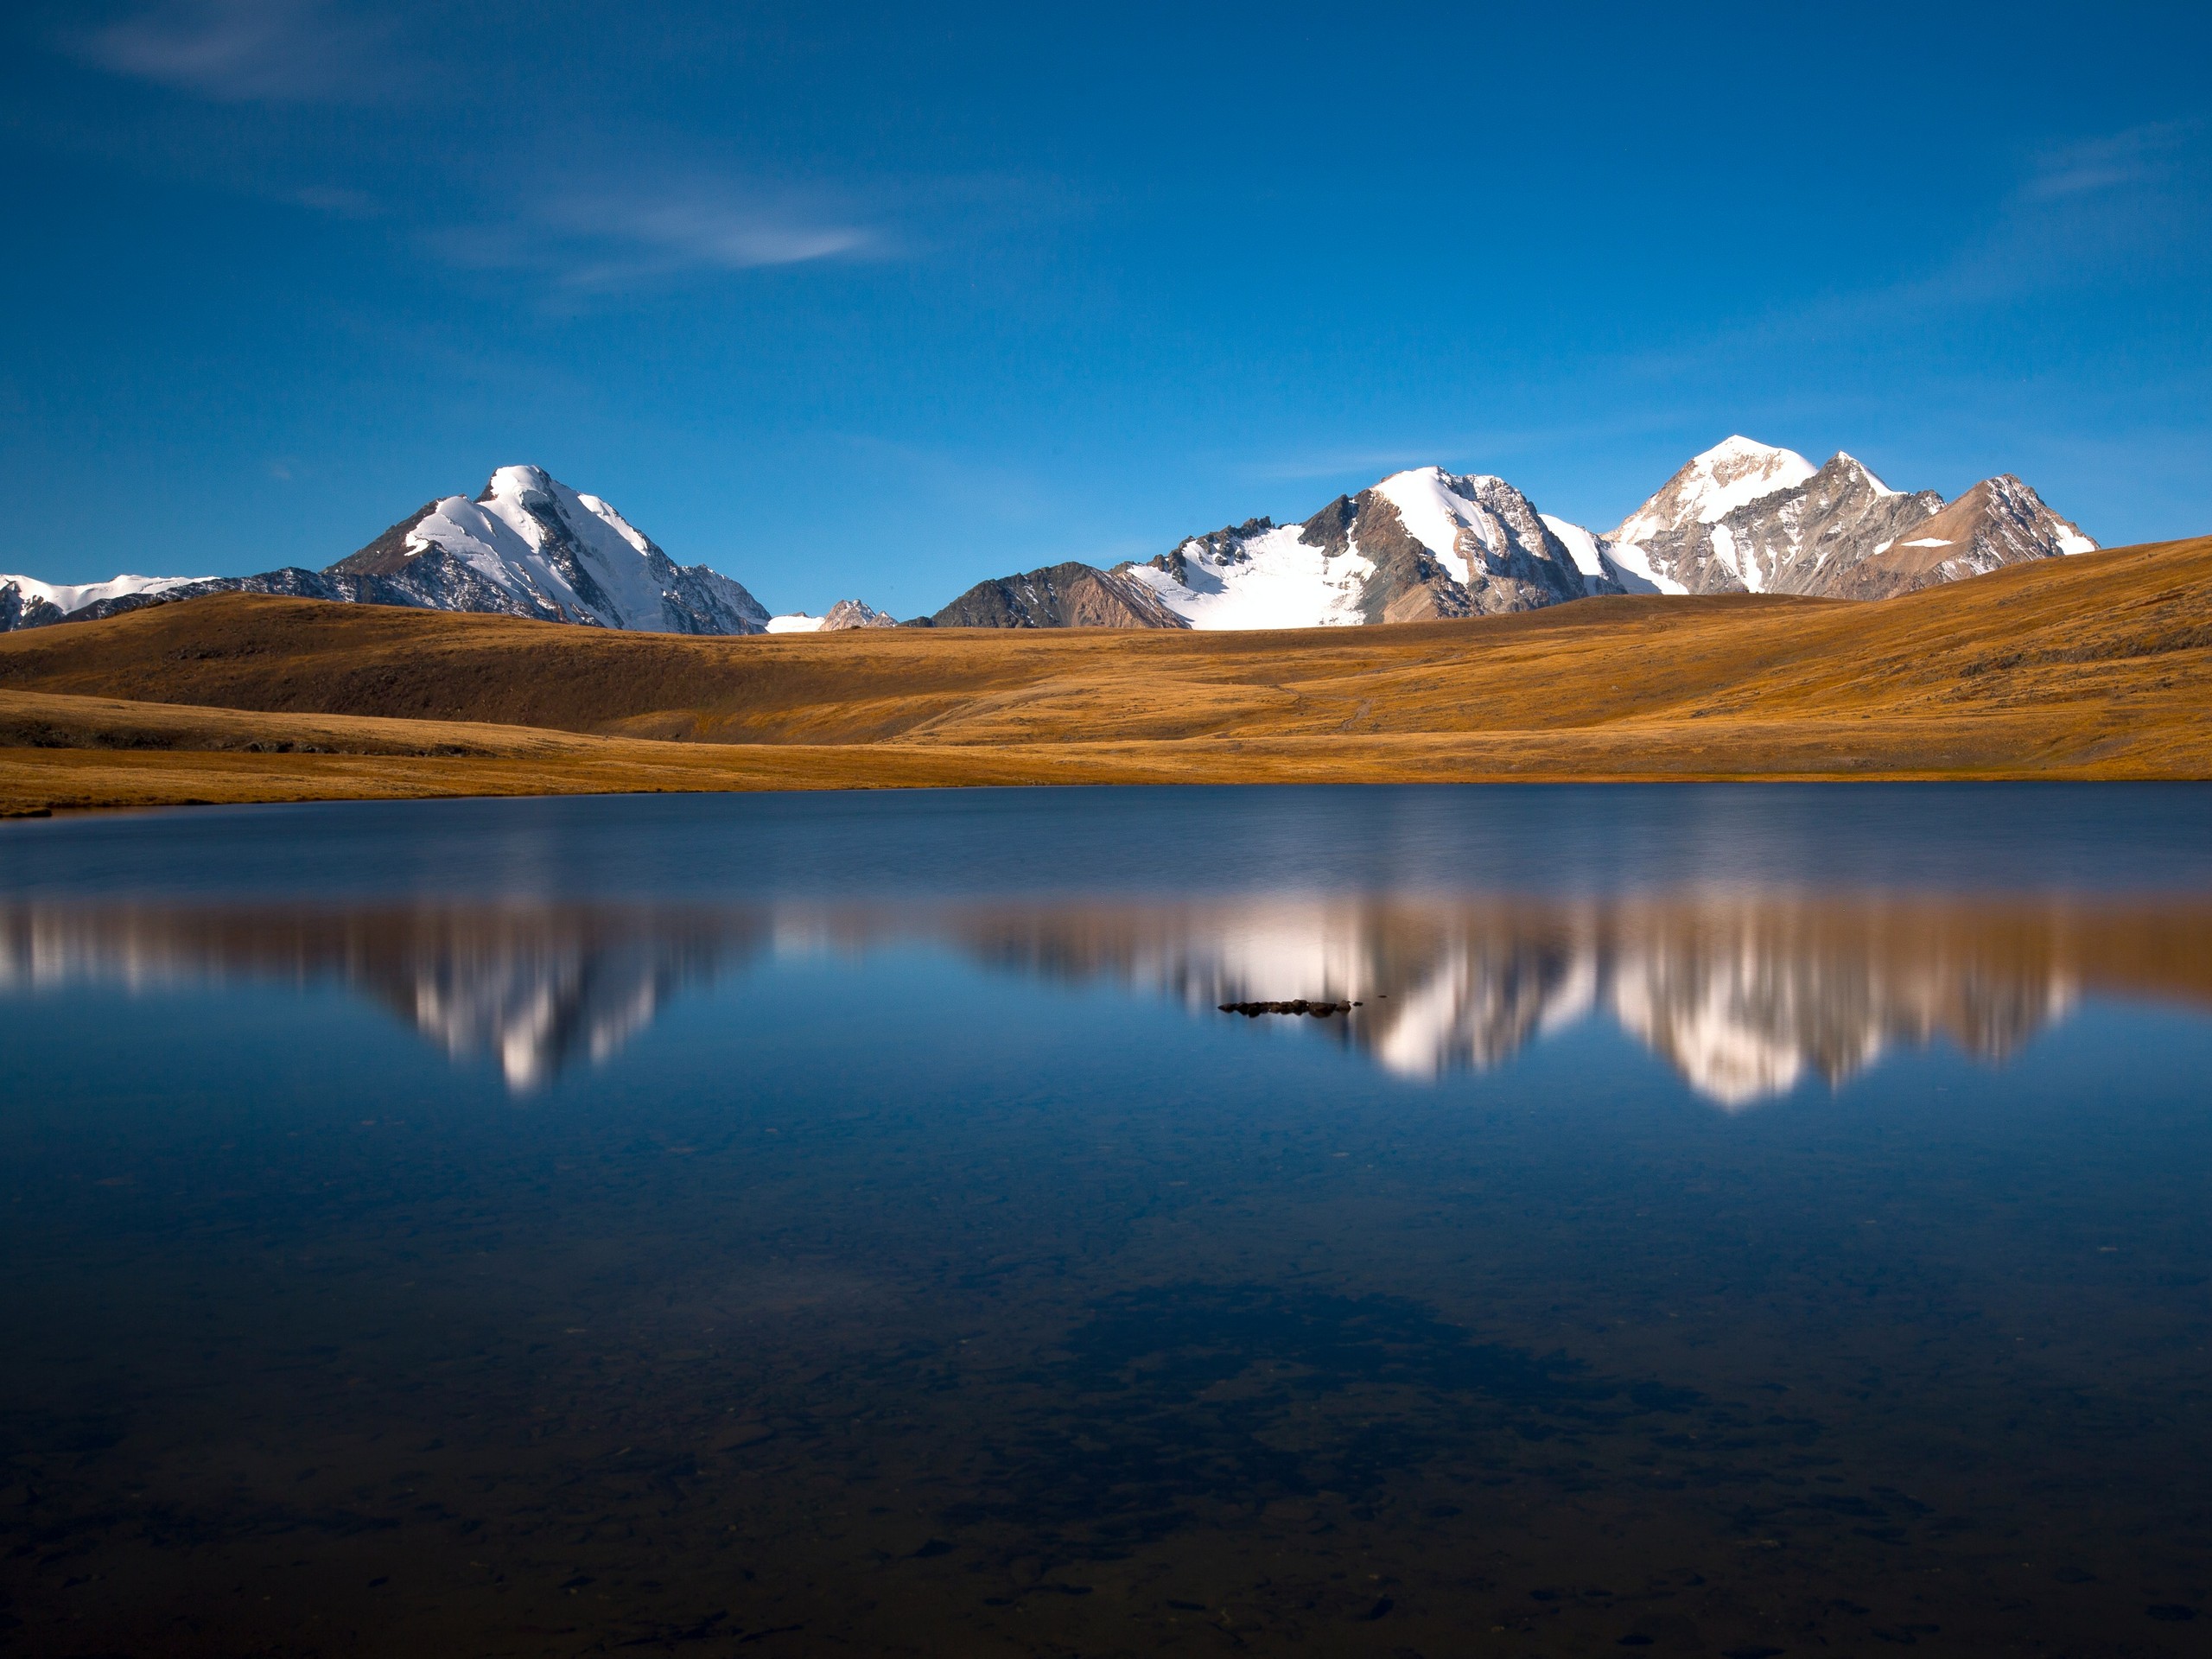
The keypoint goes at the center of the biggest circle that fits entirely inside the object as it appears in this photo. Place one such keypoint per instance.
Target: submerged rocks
(1318, 1010)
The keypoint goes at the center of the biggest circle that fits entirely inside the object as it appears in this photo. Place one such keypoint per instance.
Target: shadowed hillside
(2099, 665)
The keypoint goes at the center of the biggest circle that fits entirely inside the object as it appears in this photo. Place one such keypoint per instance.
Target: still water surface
(1738, 1221)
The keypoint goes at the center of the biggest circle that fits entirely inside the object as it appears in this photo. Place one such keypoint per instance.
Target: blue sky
(880, 300)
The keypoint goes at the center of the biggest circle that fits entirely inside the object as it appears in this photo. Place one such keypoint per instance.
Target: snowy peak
(1838, 532)
(530, 546)
(1417, 546)
(1734, 473)
(26, 603)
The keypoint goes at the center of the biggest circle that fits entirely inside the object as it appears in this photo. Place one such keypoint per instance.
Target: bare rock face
(852, 614)
(1999, 522)
(1514, 560)
(1071, 596)
(1801, 541)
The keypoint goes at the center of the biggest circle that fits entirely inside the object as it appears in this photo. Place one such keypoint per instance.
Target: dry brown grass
(2095, 667)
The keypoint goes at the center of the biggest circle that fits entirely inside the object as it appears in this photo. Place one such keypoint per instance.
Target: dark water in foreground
(1736, 1221)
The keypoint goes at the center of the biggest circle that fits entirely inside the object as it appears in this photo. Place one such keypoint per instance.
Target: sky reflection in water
(793, 1224)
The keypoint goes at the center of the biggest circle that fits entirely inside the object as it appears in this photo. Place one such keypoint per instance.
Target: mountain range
(1420, 545)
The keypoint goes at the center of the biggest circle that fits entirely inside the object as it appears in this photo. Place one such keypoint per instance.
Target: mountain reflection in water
(1746, 996)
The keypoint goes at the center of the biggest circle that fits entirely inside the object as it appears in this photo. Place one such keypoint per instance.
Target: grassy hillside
(2098, 666)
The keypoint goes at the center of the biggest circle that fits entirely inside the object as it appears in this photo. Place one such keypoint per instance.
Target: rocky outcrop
(1071, 595)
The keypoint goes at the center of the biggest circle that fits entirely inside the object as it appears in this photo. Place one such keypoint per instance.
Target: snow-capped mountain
(529, 546)
(1420, 545)
(1732, 474)
(1746, 517)
(1417, 546)
(845, 613)
(26, 602)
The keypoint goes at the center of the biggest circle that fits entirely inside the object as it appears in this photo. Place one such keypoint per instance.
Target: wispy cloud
(2113, 161)
(247, 51)
(605, 239)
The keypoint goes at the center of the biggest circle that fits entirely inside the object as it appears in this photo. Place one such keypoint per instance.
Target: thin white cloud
(2117, 159)
(608, 239)
(247, 51)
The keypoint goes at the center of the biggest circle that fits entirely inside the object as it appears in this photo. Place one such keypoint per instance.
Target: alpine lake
(1745, 1221)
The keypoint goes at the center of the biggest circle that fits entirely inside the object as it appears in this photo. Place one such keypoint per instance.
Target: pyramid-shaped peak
(1844, 458)
(1732, 474)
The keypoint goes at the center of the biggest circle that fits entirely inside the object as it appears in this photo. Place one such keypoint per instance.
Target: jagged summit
(1733, 473)
(1417, 546)
(543, 550)
(1745, 517)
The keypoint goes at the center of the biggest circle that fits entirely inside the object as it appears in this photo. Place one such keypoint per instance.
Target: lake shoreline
(386, 760)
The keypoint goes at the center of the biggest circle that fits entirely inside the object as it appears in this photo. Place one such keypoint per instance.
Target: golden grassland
(2096, 667)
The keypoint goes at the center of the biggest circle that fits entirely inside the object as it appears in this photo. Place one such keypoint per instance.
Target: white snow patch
(2072, 541)
(1434, 512)
(1272, 581)
(796, 622)
(66, 596)
(1632, 567)
(1747, 571)
(1581, 546)
(1599, 561)
(1925, 541)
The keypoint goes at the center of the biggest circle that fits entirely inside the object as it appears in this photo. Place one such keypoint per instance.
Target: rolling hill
(2097, 665)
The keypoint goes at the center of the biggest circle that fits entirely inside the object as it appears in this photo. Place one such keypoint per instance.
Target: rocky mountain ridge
(1419, 545)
